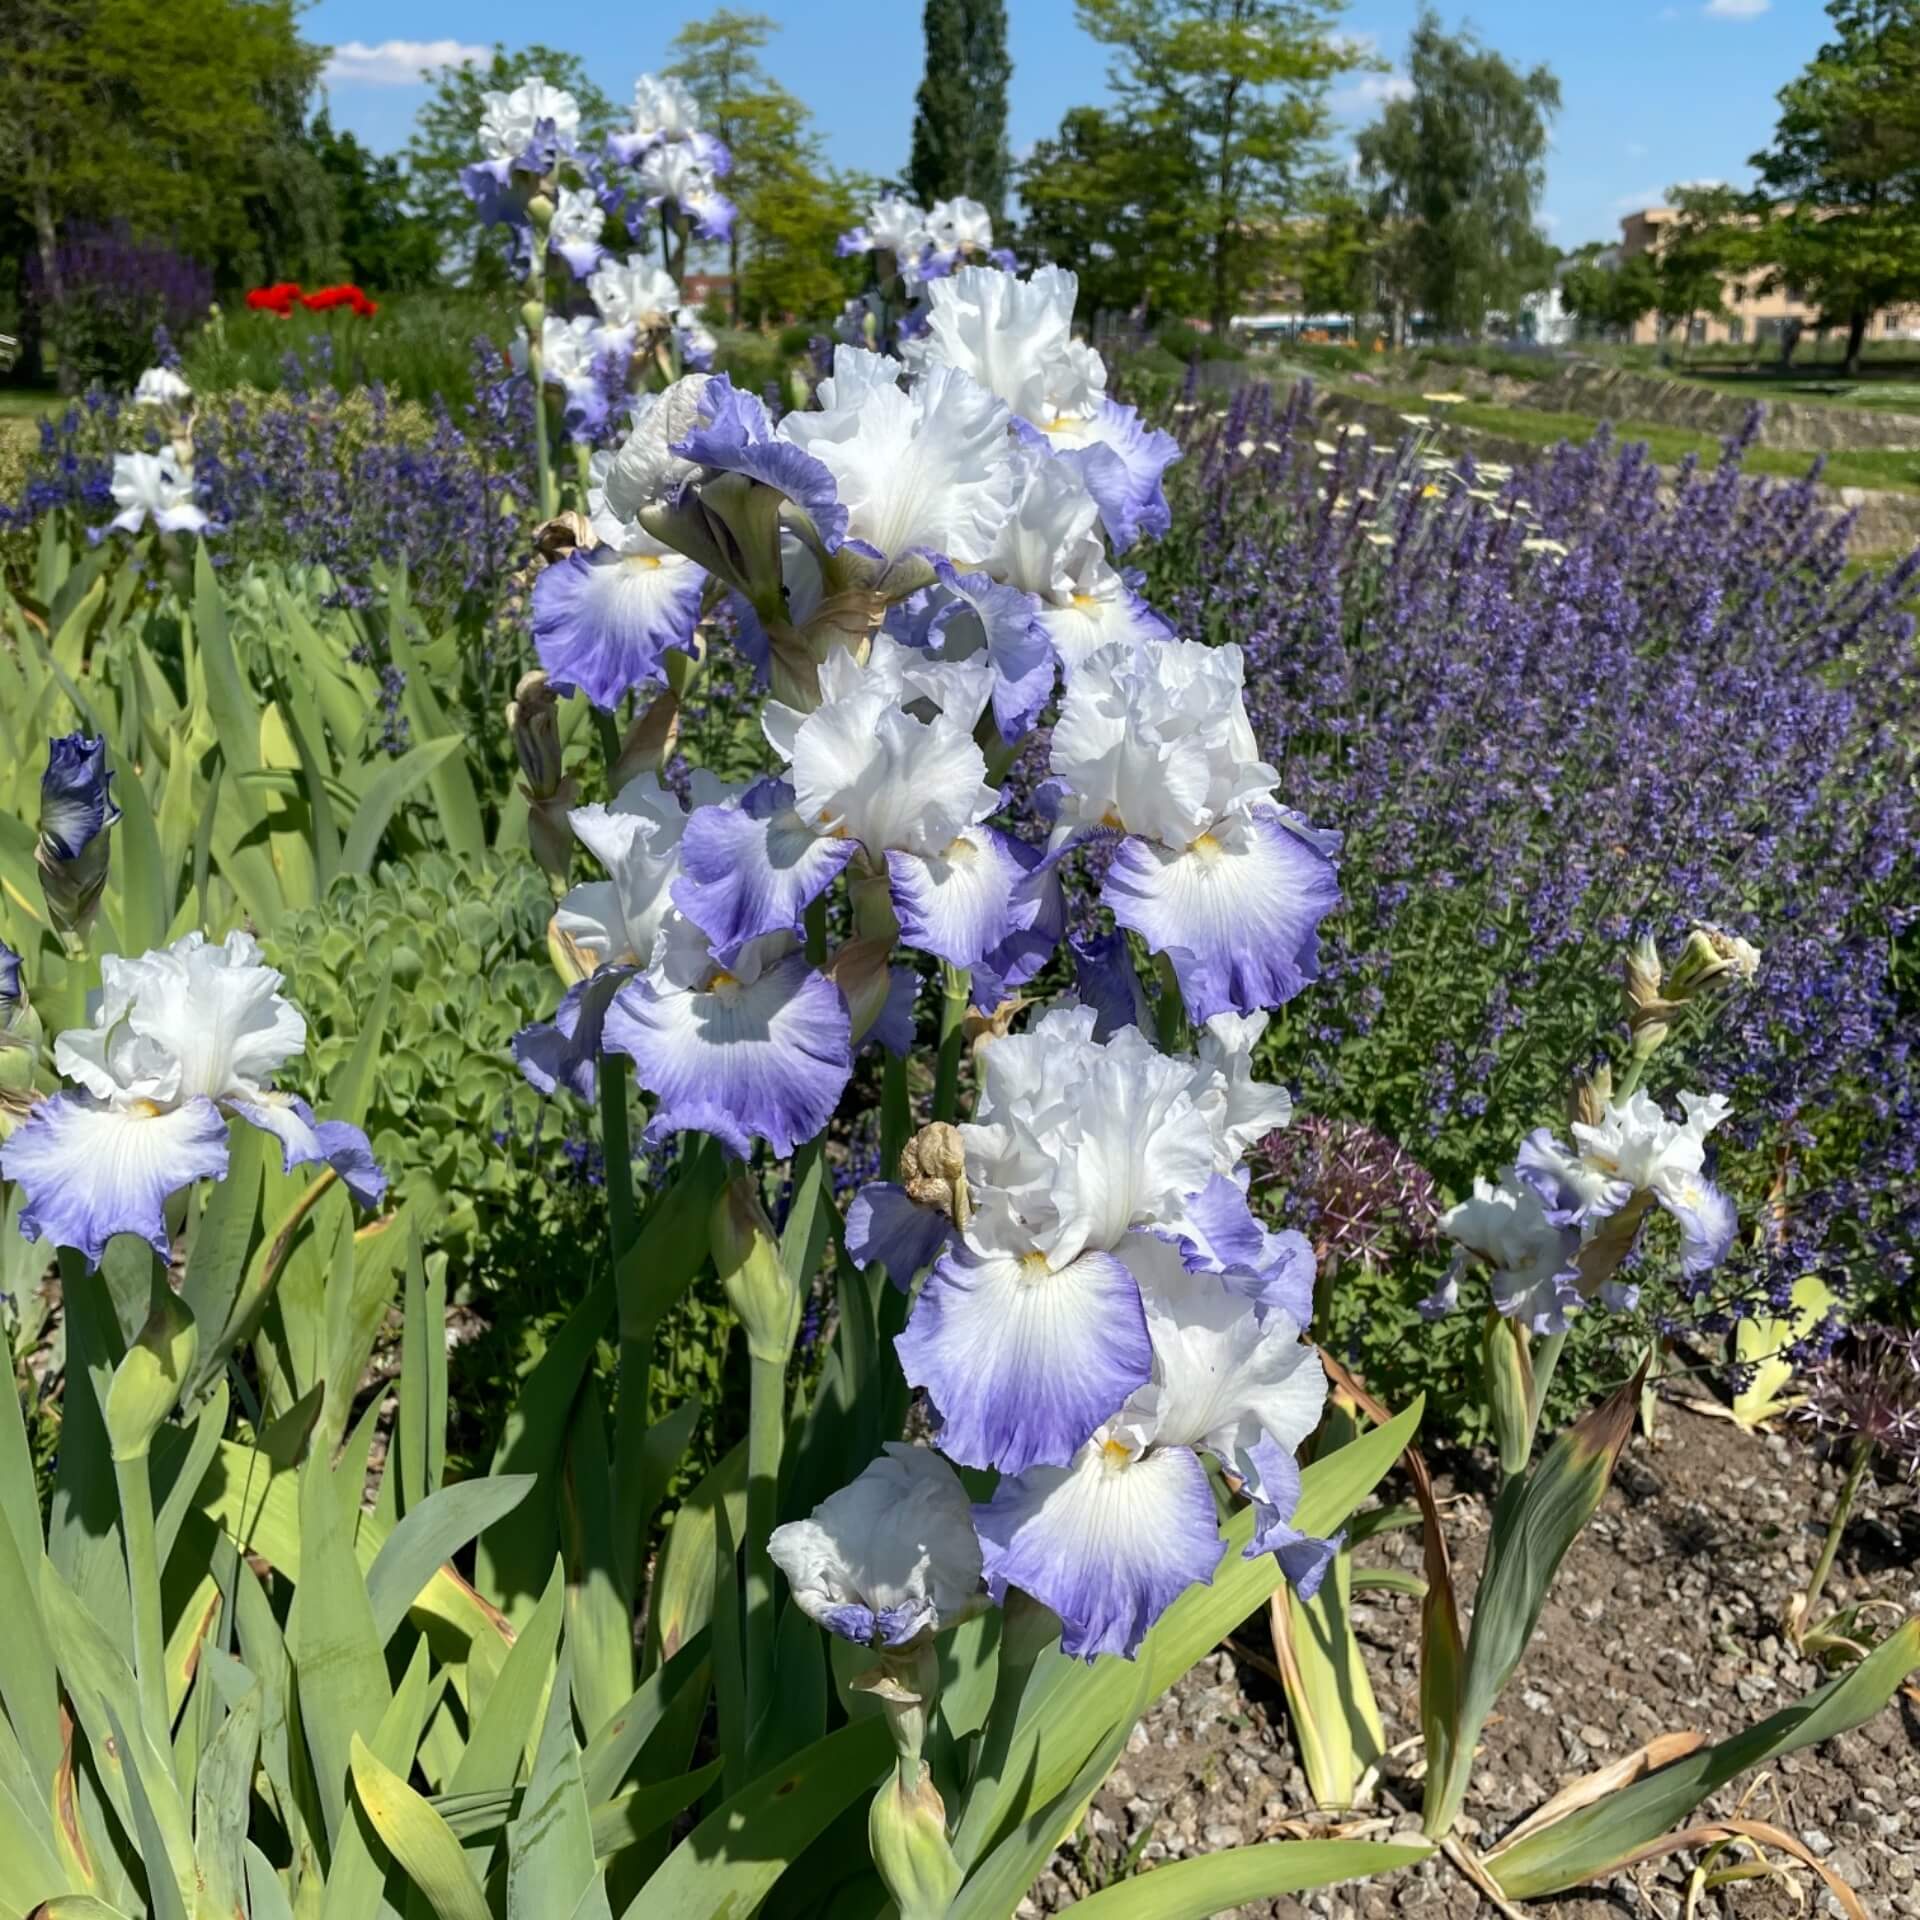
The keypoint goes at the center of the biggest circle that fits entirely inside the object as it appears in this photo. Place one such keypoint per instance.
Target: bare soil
(1665, 1616)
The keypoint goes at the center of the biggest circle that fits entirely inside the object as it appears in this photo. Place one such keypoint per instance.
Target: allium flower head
(1869, 1386)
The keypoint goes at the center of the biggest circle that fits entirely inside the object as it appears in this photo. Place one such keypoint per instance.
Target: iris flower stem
(143, 1583)
(766, 1440)
(636, 1324)
(1546, 1357)
(896, 1114)
(609, 729)
(953, 1013)
(1842, 1513)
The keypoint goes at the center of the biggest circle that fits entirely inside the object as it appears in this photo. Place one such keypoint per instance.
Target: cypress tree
(960, 119)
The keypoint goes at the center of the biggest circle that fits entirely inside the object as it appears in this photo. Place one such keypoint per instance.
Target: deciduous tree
(1839, 188)
(960, 112)
(1238, 87)
(1456, 170)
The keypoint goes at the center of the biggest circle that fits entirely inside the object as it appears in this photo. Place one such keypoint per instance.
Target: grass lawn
(27, 403)
(1669, 445)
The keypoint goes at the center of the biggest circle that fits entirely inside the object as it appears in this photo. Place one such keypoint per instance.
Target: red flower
(280, 297)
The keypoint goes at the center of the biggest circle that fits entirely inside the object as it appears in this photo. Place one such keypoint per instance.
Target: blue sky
(1652, 93)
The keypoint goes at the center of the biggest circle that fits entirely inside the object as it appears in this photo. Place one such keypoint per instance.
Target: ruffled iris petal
(1273, 1481)
(956, 904)
(1108, 1547)
(89, 1170)
(1237, 913)
(884, 1225)
(754, 867)
(1023, 1362)
(306, 1141)
(766, 1059)
(604, 621)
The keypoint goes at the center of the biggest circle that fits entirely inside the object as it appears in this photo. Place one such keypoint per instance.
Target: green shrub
(419, 346)
(1189, 343)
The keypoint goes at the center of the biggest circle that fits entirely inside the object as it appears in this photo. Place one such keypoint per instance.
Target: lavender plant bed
(1551, 709)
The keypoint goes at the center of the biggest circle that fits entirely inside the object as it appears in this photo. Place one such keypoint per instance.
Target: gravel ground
(1665, 1616)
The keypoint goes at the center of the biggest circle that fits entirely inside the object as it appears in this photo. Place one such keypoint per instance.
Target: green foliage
(419, 346)
(1840, 184)
(113, 110)
(960, 111)
(1611, 299)
(1221, 110)
(1100, 199)
(1456, 171)
(1189, 343)
(382, 244)
(463, 942)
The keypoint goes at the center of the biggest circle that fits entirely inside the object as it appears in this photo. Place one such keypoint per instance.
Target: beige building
(1752, 316)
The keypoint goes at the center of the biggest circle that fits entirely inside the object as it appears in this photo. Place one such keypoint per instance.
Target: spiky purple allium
(1870, 1387)
(1697, 712)
(1352, 1191)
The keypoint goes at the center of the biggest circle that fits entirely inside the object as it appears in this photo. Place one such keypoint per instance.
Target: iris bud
(763, 1297)
(907, 1831)
(76, 820)
(533, 721)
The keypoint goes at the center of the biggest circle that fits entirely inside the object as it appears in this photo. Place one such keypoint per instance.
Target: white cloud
(398, 63)
(1736, 9)
(1550, 222)
(1636, 150)
(1371, 90)
(1635, 202)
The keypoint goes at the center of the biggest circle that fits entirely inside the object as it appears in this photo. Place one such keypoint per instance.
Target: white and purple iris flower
(744, 1040)
(885, 771)
(890, 1560)
(919, 471)
(1530, 1258)
(1635, 1156)
(894, 225)
(181, 1038)
(604, 931)
(1106, 1310)
(156, 487)
(1153, 743)
(606, 617)
(527, 131)
(635, 295)
(575, 231)
(1050, 549)
(1110, 1538)
(1555, 1201)
(1016, 338)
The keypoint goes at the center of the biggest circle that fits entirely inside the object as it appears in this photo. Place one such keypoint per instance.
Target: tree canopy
(1839, 188)
(1456, 169)
(113, 111)
(960, 111)
(1223, 103)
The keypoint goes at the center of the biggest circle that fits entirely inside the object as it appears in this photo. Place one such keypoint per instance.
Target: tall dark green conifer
(960, 122)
